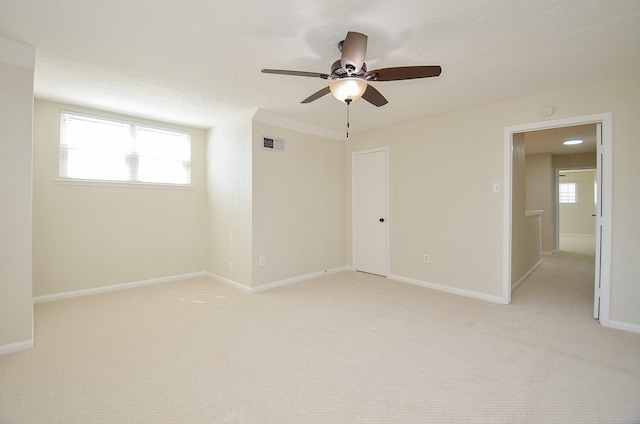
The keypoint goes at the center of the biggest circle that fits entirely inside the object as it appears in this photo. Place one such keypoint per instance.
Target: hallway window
(568, 192)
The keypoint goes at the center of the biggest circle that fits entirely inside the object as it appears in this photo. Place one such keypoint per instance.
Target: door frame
(386, 206)
(603, 250)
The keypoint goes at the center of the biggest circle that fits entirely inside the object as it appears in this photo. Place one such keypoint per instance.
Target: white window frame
(130, 158)
(569, 201)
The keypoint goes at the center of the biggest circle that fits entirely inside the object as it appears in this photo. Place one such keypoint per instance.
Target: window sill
(127, 184)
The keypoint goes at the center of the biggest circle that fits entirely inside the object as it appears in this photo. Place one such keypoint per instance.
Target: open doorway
(577, 200)
(515, 204)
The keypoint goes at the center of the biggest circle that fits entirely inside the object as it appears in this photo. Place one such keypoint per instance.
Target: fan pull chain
(348, 102)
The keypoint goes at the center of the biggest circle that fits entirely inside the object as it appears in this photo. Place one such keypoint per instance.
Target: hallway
(564, 281)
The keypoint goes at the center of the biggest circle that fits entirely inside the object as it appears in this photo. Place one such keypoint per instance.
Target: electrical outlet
(263, 260)
(426, 259)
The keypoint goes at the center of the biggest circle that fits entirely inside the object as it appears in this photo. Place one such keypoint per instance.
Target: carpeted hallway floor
(345, 348)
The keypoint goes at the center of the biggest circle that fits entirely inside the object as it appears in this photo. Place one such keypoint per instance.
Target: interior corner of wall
(272, 118)
(16, 53)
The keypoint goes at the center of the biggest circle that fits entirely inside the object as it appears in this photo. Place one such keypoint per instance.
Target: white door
(369, 202)
(598, 202)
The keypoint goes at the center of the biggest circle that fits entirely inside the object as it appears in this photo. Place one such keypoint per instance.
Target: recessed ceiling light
(572, 142)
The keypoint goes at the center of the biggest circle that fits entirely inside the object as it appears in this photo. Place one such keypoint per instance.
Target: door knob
(381, 219)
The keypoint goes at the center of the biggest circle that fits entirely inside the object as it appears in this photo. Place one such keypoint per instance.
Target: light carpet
(345, 348)
(583, 244)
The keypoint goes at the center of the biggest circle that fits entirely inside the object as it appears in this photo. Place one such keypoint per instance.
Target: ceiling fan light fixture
(348, 88)
(349, 75)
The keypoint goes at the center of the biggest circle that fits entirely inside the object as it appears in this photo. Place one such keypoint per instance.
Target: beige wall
(540, 183)
(526, 230)
(88, 236)
(229, 191)
(16, 121)
(541, 172)
(441, 203)
(298, 204)
(580, 160)
(442, 170)
(578, 218)
(95, 236)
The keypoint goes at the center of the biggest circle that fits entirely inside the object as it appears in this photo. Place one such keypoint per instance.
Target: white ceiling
(198, 62)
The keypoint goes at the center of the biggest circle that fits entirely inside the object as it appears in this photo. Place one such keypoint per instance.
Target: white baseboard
(269, 286)
(124, 286)
(525, 276)
(16, 347)
(634, 328)
(297, 279)
(447, 289)
(115, 287)
(228, 282)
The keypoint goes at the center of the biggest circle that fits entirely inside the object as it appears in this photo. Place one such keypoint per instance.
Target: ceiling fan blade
(403, 73)
(354, 49)
(295, 73)
(374, 97)
(316, 95)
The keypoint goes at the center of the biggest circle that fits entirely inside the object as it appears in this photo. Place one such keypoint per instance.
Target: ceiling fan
(349, 76)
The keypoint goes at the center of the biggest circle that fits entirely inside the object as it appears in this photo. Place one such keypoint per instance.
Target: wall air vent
(273, 144)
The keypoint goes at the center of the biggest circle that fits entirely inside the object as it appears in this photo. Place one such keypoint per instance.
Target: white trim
(16, 347)
(634, 328)
(507, 216)
(242, 287)
(275, 284)
(294, 280)
(228, 282)
(525, 276)
(127, 184)
(607, 137)
(559, 123)
(447, 289)
(115, 287)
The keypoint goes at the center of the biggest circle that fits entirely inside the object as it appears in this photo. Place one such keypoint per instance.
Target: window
(568, 192)
(94, 148)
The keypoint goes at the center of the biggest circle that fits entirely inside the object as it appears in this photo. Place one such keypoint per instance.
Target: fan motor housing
(339, 72)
